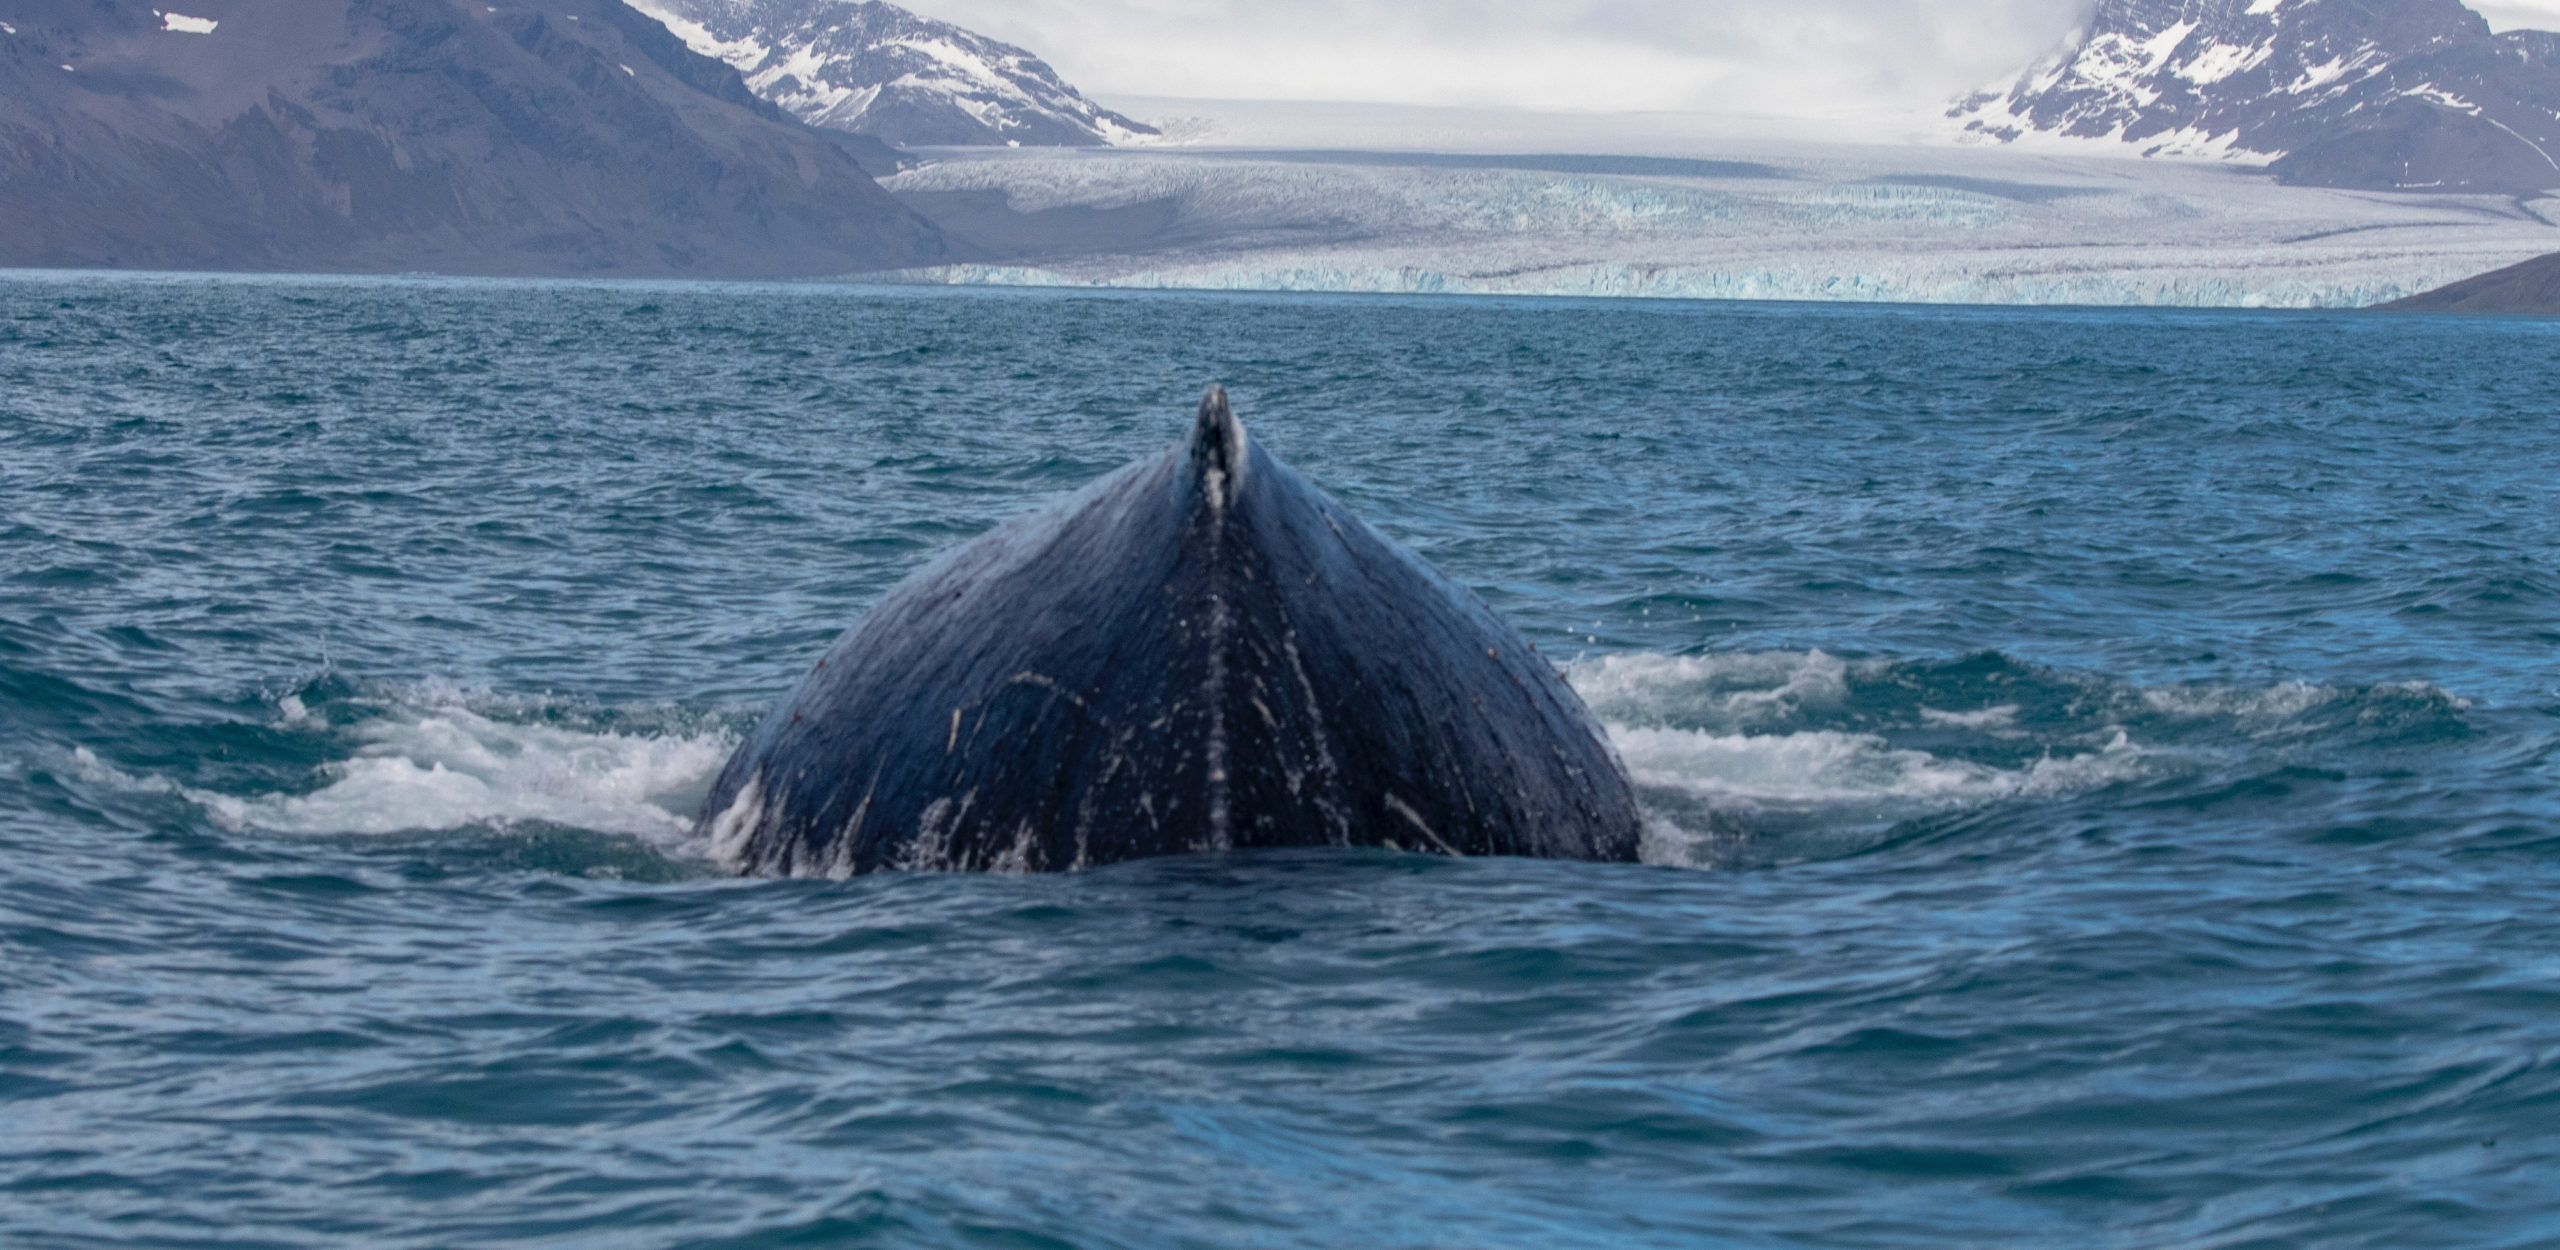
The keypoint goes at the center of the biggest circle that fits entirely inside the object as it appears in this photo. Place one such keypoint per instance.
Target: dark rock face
(2376, 94)
(877, 69)
(2531, 289)
(1200, 652)
(557, 137)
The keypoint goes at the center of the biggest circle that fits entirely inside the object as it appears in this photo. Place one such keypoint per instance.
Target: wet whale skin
(1200, 652)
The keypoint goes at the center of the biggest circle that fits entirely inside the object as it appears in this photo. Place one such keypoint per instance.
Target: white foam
(1989, 719)
(86, 765)
(1849, 770)
(435, 764)
(1646, 688)
(1710, 797)
(185, 25)
(454, 768)
(1729, 750)
(1772, 755)
(2282, 701)
(2261, 710)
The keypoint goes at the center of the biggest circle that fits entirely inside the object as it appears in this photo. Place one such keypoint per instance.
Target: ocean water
(2105, 769)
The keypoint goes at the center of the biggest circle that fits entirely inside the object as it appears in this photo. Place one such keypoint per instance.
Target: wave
(1740, 759)
(1763, 757)
(436, 759)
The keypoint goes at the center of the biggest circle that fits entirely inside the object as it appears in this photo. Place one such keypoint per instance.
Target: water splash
(435, 758)
(1762, 757)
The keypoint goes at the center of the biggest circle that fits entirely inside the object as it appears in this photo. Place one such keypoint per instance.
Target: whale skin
(1201, 652)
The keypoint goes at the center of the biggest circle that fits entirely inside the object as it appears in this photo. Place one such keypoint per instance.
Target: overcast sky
(1775, 57)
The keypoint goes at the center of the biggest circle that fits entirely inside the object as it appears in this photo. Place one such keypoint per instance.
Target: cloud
(1769, 57)
(2520, 14)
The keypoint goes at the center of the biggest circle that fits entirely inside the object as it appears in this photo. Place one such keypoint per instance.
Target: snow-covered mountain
(2384, 94)
(877, 69)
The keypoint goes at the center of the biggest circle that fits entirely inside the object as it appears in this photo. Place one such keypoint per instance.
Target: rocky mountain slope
(2377, 94)
(877, 69)
(525, 137)
(2532, 288)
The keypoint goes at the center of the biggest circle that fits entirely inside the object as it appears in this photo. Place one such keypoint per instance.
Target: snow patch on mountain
(876, 69)
(2405, 95)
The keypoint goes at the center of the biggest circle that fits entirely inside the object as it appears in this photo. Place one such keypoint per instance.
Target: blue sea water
(2105, 770)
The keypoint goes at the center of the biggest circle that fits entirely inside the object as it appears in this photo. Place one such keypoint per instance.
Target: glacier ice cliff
(1848, 223)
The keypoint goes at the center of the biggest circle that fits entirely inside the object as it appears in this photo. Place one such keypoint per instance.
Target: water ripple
(2103, 769)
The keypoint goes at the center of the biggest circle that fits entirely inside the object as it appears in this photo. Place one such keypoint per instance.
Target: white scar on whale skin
(1221, 837)
(840, 865)
(1405, 810)
(1050, 684)
(1325, 801)
(937, 828)
(1023, 856)
(736, 823)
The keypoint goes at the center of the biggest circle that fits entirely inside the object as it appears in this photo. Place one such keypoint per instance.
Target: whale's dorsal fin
(1217, 447)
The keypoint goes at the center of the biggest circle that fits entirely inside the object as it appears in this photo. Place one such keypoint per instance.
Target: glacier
(1789, 221)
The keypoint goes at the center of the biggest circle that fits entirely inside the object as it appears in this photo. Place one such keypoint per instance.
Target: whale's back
(1200, 652)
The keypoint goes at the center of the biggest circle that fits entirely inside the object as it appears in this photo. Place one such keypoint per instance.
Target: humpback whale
(1199, 652)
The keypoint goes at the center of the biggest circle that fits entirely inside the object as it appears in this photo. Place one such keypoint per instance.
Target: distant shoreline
(851, 285)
